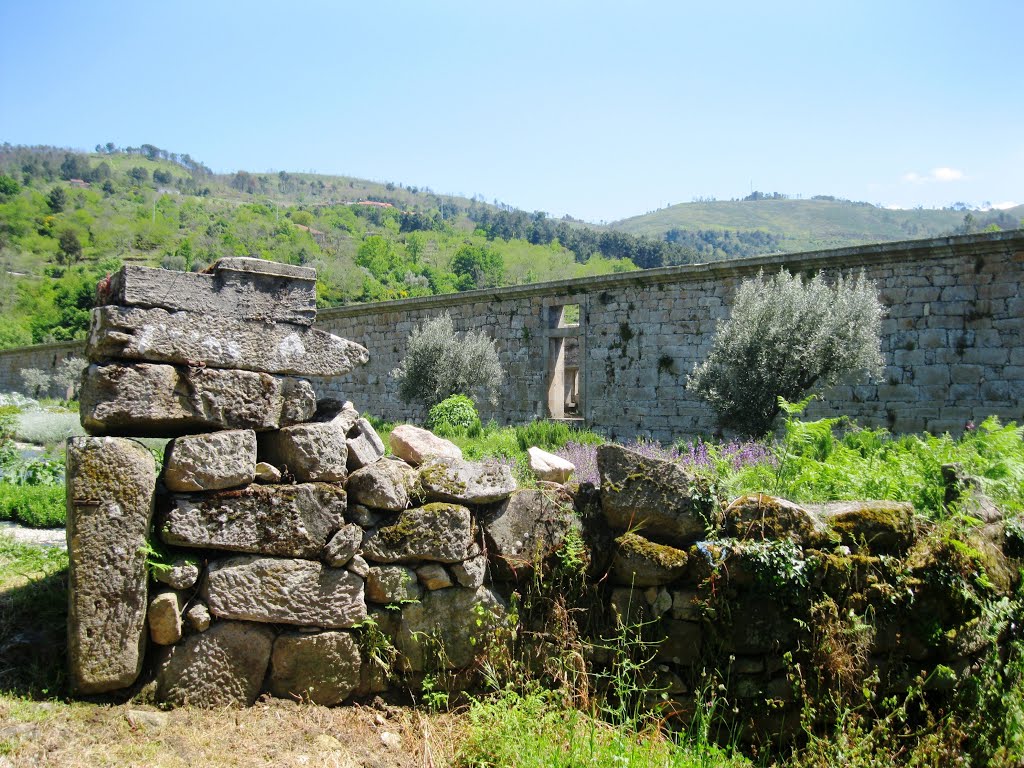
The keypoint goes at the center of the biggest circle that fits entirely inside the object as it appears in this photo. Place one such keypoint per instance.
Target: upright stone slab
(284, 591)
(221, 667)
(152, 400)
(249, 289)
(291, 520)
(459, 620)
(110, 487)
(322, 668)
(187, 338)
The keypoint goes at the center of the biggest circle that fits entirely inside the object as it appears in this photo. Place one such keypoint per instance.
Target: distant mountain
(803, 225)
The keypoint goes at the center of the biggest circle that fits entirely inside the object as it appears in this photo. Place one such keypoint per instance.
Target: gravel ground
(44, 537)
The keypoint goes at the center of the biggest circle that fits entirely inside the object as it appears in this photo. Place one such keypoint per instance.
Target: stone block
(164, 617)
(221, 667)
(416, 445)
(390, 584)
(187, 338)
(657, 496)
(471, 573)
(439, 532)
(525, 529)
(459, 620)
(315, 452)
(343, 545)
(365, 446)
(638, 562)
(548, 466)
(210, 462)
(149, 400)
(284, 591)
(250, 289)
(387, 485)
(182, 573)
(434, 576)
(445, 478)
(681, 642)
(322, 668)
(111, 482)
(291, 520)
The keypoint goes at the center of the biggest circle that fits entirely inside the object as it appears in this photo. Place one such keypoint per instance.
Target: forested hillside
(68, 218)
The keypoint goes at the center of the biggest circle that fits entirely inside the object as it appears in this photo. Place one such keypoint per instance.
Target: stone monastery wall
(953, 340)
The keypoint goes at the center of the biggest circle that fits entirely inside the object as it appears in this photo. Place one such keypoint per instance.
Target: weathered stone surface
(362, 515)
(655, 496)
(444, 478)
(187, 338)
(267, 473)
(548, 466)
(452, 618)
(392, 584)
(681, 642)
(641, 563)
(341, 414)
(311, 452)
(164, 617)
(197, 616)
(294, 520)
(299, 401)
(358, 566)
(343, 545)
(758, 516)
(183, 573)
(383, 485)
(210, 462)
(886, 527)
(416, 445)
(434, 576)
(365, 446)
(222, 667)
(438, 531)
(523, 530)
(110, 487)
(284, 591)
(153, 400)
(230, 289)
(470, 573)
(323, 668)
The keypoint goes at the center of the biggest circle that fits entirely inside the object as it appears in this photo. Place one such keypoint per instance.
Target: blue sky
(601, 110)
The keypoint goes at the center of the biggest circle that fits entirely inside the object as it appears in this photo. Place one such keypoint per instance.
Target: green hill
(802, 225)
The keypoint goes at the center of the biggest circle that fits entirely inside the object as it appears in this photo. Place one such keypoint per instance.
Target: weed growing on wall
(783, 337)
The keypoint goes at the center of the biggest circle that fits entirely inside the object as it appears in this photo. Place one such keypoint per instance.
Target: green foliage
(453, 414)
(37, 506)
(439, 363)
(784, 337)
(8, 186)
(478, 267)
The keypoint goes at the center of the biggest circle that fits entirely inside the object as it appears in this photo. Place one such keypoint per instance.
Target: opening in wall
(564, 360)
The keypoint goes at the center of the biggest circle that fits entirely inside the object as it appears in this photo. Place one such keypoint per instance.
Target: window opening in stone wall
(564, 358)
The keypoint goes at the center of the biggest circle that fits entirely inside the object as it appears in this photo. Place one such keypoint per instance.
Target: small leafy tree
(783, 338)
(35, 380)
(453, 414)
(439, 363)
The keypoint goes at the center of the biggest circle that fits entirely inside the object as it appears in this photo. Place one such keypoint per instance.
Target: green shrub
(453, 414)
(783, 338)
(439, 363)
(37, 506)
(48, 427)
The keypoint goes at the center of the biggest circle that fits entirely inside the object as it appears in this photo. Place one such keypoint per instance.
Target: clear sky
(598, 109)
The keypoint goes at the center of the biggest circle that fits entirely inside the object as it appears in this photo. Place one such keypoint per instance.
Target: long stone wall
(953, 340)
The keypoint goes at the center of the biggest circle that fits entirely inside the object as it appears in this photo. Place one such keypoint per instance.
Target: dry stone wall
(953, 339)
(281, 550)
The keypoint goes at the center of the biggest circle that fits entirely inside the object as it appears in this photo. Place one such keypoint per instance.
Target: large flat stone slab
(221, 667)
(210, 462)
(188, 338)
(152, 400)
(284, 591)
(289, 520)
(445, 478)
(110, 487)
(439, 532)
(249, 289)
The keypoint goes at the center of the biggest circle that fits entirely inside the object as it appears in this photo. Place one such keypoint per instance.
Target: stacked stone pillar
(276, 527)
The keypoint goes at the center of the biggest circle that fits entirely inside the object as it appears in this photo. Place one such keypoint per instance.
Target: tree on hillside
(783, 338)
(70, 247)
(57, 199)
(478, 267)
(139, 173)
(8, 186)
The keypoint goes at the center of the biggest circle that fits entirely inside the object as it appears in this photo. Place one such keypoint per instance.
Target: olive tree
(783, 337)
(439, 363)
